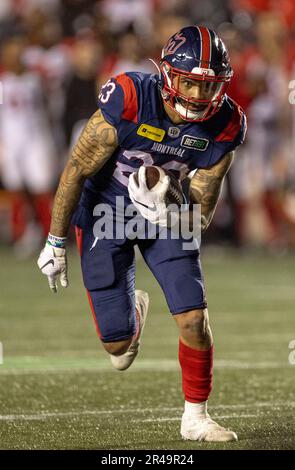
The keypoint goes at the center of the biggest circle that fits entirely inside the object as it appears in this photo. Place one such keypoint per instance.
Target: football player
(181, 120)
(28, 166)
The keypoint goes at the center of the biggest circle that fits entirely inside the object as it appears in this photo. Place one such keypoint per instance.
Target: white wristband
(57, 242)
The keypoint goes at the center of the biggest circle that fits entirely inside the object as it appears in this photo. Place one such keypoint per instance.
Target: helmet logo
(204, 72)
(173, 44)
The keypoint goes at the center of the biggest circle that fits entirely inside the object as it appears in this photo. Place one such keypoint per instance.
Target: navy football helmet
(195, 73)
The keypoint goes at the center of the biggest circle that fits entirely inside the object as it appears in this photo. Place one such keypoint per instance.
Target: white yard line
(141, 365)
(69, 414)
(159, 420)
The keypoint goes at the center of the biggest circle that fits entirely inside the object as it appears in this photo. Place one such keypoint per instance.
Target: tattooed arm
(94, 147)
(206, 186)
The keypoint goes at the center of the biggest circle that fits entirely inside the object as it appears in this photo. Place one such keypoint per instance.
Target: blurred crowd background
(56, 54)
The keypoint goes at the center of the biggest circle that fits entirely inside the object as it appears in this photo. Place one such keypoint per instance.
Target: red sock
(196, 373)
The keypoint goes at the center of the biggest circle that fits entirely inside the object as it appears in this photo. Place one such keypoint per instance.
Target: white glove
(53, 263)
(151, 204)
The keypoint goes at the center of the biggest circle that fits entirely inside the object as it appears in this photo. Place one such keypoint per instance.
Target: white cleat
(205, 430)
(125, 360)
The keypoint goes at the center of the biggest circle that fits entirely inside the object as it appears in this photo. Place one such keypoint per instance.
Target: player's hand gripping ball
(152, 190)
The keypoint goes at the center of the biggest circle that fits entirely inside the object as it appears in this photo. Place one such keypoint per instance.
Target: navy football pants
(108, 269)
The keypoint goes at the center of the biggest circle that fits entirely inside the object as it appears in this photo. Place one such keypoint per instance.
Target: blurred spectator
(82, 88)
(72, 47)
(263, 172)
(27, 150)
(47, 55)
(164, 25)
(284, 8)
(130, 56)
(75, 14)
(123, 14)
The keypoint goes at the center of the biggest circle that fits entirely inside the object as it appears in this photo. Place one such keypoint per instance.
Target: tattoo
(95, 146)
(206, 186)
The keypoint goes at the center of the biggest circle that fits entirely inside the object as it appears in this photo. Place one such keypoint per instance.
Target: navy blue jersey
(132, 103)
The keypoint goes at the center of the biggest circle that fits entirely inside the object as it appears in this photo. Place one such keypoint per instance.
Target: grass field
(58, 390)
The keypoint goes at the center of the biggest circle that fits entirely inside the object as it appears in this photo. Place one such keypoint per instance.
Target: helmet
(195, 57)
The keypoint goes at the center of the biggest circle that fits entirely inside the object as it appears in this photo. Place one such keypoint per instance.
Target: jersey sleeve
(118, 101)
(231, 126)
(234, 133)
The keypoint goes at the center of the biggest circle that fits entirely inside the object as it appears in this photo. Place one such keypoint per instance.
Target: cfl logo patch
(292, 353)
